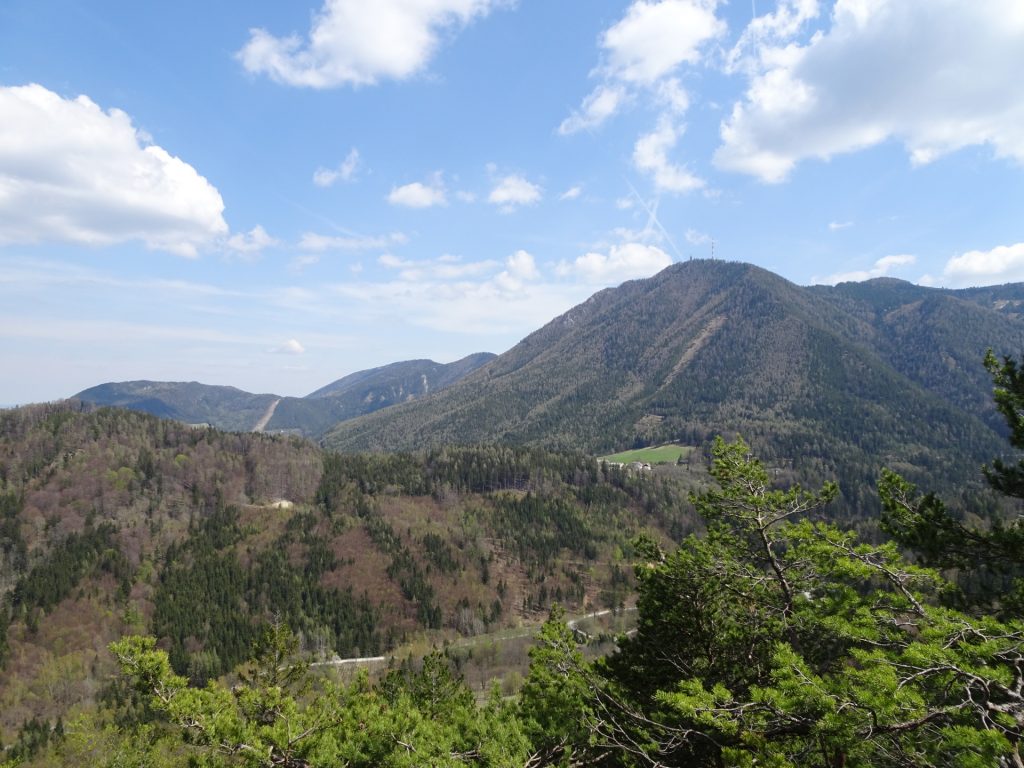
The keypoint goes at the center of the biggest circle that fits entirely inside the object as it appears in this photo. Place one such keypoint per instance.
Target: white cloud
(325, 177)
(571, 193)
(695, 237)
(601, 104)
(642, 51)
(444, 268)
(252, 242)
(1002, 264)
(311, 241)
(935, 75)
(419, 195)
(623, 262)
(762, 35)
(625, 203)
(520, 268)
(290, 347)
(71, 172)
(881, 268)
(673, 96)
(353, 42)
(299, 263)
(650, 155)
(835, 226)
(654, 38)
(513, 191)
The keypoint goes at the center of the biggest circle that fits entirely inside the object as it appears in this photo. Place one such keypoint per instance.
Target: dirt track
(266, 417)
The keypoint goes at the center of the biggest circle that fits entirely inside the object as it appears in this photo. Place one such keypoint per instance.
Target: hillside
(233, 409)
(829, 382)
(190, 402)
(113, 521)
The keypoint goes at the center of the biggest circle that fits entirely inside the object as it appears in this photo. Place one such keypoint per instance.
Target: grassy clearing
(661, 454)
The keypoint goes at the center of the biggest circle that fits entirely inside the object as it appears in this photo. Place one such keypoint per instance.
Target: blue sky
(273, 195)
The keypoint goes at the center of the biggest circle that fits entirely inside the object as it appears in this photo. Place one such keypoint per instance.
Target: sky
(273, 195)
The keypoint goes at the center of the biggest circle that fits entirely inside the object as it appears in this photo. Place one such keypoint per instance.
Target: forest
(766, 634)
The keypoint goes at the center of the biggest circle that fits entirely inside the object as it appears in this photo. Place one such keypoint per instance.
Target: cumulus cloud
(622, 262)
(325, 177)
(641, 52)
(419, 195)
(520, 268)
(571, 193)
(254, 241)
(654, 38)
(835, 226)
(310, 241)
(650, 155)
(881, 268)
(934, 75)
(1002, 264)
(353, 42)
(514, 191)
(290, 347)
(70, 171)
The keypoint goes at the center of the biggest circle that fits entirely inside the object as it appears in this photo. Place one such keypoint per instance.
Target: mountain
(398, 382)
(191, 402)
(233, 409)
(826, 381)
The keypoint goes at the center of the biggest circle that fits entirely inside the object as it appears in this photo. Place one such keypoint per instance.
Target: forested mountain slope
(827, 381)
(113, 521)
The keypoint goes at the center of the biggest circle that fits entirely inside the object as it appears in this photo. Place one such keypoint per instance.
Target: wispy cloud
(311, 241)
(326, 177)
(641, 53)
(253, 241)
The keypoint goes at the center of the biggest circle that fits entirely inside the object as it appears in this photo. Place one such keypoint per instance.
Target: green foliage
(990, 560)
(780, 641)
(206, 598)
(76, 557)
(1008, 393)
(555, 699)
(277, 715)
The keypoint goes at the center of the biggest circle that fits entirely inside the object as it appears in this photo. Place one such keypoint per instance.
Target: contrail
(652, 216)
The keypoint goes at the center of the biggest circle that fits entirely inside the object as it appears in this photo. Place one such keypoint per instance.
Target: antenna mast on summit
(712, 249)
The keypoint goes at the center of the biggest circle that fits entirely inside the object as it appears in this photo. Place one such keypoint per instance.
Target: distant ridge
(233, 409)
(223, 407)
